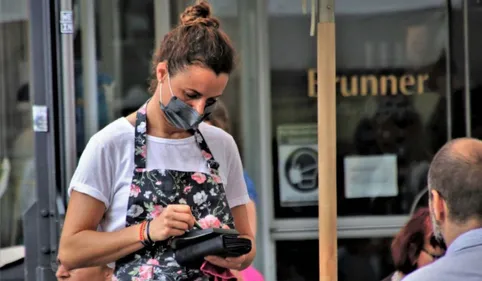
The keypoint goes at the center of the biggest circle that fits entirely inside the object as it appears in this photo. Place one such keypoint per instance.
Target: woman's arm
(82, 246)
(251, 209)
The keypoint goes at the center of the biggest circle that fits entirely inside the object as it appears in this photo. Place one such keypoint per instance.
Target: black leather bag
(191, 248)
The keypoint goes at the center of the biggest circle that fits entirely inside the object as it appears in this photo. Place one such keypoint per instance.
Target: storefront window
(124, 41)
(464, 83)
(391, 118)
(17, 164)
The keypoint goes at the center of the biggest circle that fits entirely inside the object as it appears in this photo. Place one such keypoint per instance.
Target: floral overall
(151, 191)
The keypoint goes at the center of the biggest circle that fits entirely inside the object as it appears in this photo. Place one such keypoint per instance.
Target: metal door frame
(41, 221)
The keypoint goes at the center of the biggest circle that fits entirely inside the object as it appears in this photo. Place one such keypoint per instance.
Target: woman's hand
(174, 220)
(238, 275)
(235, 263)
(230, 263)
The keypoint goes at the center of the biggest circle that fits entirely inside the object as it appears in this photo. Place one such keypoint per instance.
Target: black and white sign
(66, 22)
(298, 165)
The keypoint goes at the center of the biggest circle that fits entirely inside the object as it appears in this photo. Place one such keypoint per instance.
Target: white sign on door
(371, 176)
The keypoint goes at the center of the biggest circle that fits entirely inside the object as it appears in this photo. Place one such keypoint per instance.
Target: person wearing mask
(455, 202)
(151, 175)
(95, 273)
(415, 246)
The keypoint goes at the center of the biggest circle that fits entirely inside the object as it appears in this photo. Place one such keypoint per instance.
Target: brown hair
(196, 40)
(219, 117)
(409, 242)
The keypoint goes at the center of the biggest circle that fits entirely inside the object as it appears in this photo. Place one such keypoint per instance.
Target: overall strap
(212, 164)
(140, 140)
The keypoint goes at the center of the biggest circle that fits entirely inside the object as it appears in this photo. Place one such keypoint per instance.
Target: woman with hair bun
(150, 176)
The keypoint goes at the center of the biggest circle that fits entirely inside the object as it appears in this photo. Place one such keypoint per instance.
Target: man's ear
(439, 205)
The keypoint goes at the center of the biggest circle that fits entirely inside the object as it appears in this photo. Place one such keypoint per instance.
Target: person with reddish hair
(415, 246)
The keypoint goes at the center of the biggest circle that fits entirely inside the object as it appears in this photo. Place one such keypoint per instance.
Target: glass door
(466, 63)
(391, 72)
(17, 162)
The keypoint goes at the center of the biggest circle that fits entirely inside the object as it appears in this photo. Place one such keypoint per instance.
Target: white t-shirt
(106, 166)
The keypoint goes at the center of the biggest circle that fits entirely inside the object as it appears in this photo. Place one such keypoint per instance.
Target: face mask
(179, 114)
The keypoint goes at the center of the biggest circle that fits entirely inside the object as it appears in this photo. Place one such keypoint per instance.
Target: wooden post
(326, 68)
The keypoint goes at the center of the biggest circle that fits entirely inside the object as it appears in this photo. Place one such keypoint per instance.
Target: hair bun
(200, 13)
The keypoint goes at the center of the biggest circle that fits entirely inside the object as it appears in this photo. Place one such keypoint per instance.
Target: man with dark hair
(455, 187)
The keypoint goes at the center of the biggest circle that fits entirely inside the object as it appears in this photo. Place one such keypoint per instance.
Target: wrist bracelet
(142, 229)
(148, 232)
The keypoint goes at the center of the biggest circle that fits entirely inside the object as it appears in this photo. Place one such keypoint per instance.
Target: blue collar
(468, 239)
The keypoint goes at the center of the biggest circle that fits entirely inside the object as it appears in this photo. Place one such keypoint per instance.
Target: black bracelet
(148, 234)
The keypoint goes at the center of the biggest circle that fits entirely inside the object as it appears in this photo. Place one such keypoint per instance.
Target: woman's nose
(199, 106)
(62, 272)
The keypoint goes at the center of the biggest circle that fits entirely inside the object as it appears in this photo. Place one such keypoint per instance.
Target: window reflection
(396, 87)
(390, 83)
(124, 42)
(17, 167)
(358, 259)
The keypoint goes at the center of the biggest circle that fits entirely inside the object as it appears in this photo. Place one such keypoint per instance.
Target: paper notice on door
(371, 176)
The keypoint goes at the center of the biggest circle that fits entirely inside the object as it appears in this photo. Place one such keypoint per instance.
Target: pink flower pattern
(164, 187)
(206, 154)
(187, 189)
(144, 151)
(200, 178)
(135, 190)
(157, 211)
(217, 179)
(210, 221)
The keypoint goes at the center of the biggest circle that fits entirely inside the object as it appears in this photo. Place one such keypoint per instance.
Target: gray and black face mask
(180, 114)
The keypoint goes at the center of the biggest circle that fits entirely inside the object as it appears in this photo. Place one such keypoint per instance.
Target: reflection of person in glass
(104, 88)
(396, 128)
(414, 246)
(438, 122)
(22, 181)
(149, 176)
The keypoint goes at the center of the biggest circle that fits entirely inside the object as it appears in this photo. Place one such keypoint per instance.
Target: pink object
(251, 274)
(219, 274)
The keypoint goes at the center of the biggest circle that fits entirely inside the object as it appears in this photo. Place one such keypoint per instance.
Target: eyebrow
(201, 94)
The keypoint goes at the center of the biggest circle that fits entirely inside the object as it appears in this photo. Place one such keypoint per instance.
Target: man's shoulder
(426, 273)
